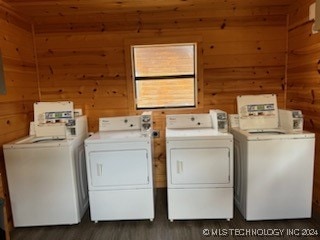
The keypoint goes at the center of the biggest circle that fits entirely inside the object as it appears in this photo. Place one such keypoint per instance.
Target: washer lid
(271, 134)
(258, 111)
(38, 142)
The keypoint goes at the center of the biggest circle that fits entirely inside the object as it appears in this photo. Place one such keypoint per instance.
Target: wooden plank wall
(304, 77)
(243, 52)
(16, 45)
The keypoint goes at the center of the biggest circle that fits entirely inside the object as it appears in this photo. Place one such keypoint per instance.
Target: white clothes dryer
(119, 170)
(199, 168)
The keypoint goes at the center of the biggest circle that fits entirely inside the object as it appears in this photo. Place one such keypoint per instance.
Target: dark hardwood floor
(162, 228)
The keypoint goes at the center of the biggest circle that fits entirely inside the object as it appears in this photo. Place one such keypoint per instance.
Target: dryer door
(114, 168)
(191, 166)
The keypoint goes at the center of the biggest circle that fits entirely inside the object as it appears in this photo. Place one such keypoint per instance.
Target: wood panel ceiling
(39, 10)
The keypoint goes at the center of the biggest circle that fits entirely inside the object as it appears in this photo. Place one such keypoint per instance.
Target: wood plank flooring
(162, 228)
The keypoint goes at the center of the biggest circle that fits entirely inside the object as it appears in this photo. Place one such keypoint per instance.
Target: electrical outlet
(156, 133)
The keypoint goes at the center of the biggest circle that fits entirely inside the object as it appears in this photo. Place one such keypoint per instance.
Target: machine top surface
(270, 134)
(33, 141)
(121, 135)
(200, 133)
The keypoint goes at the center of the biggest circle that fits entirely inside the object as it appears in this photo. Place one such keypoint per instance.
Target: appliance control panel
(56, 116)
(53, 119)
(146, 122)
(233, 120)
(189, 121)
(258, 111)
(291, 120)
(219, 120)
(119, 123)
(142, 123)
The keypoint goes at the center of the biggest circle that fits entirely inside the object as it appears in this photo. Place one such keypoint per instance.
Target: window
(164, 75)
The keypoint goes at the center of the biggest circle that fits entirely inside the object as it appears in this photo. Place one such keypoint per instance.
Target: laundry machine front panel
(200, 203)
(200, 166)
(280, 177)
(238, 181)
(200, 163)
(125, 204)
(240, 172)
(125, 167)
(41, 185)
(81, 175)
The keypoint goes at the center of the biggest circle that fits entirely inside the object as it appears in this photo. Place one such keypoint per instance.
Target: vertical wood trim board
(36, 61)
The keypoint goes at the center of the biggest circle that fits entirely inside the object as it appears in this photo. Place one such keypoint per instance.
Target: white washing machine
(199, 167)
(273, 165)
(47, 178)
(119, 169)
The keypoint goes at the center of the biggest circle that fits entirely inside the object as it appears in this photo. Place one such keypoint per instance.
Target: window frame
(136, 79)
(143, 40)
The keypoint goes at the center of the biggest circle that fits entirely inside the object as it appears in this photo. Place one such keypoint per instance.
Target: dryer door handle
(179, 167)
(99, 169)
